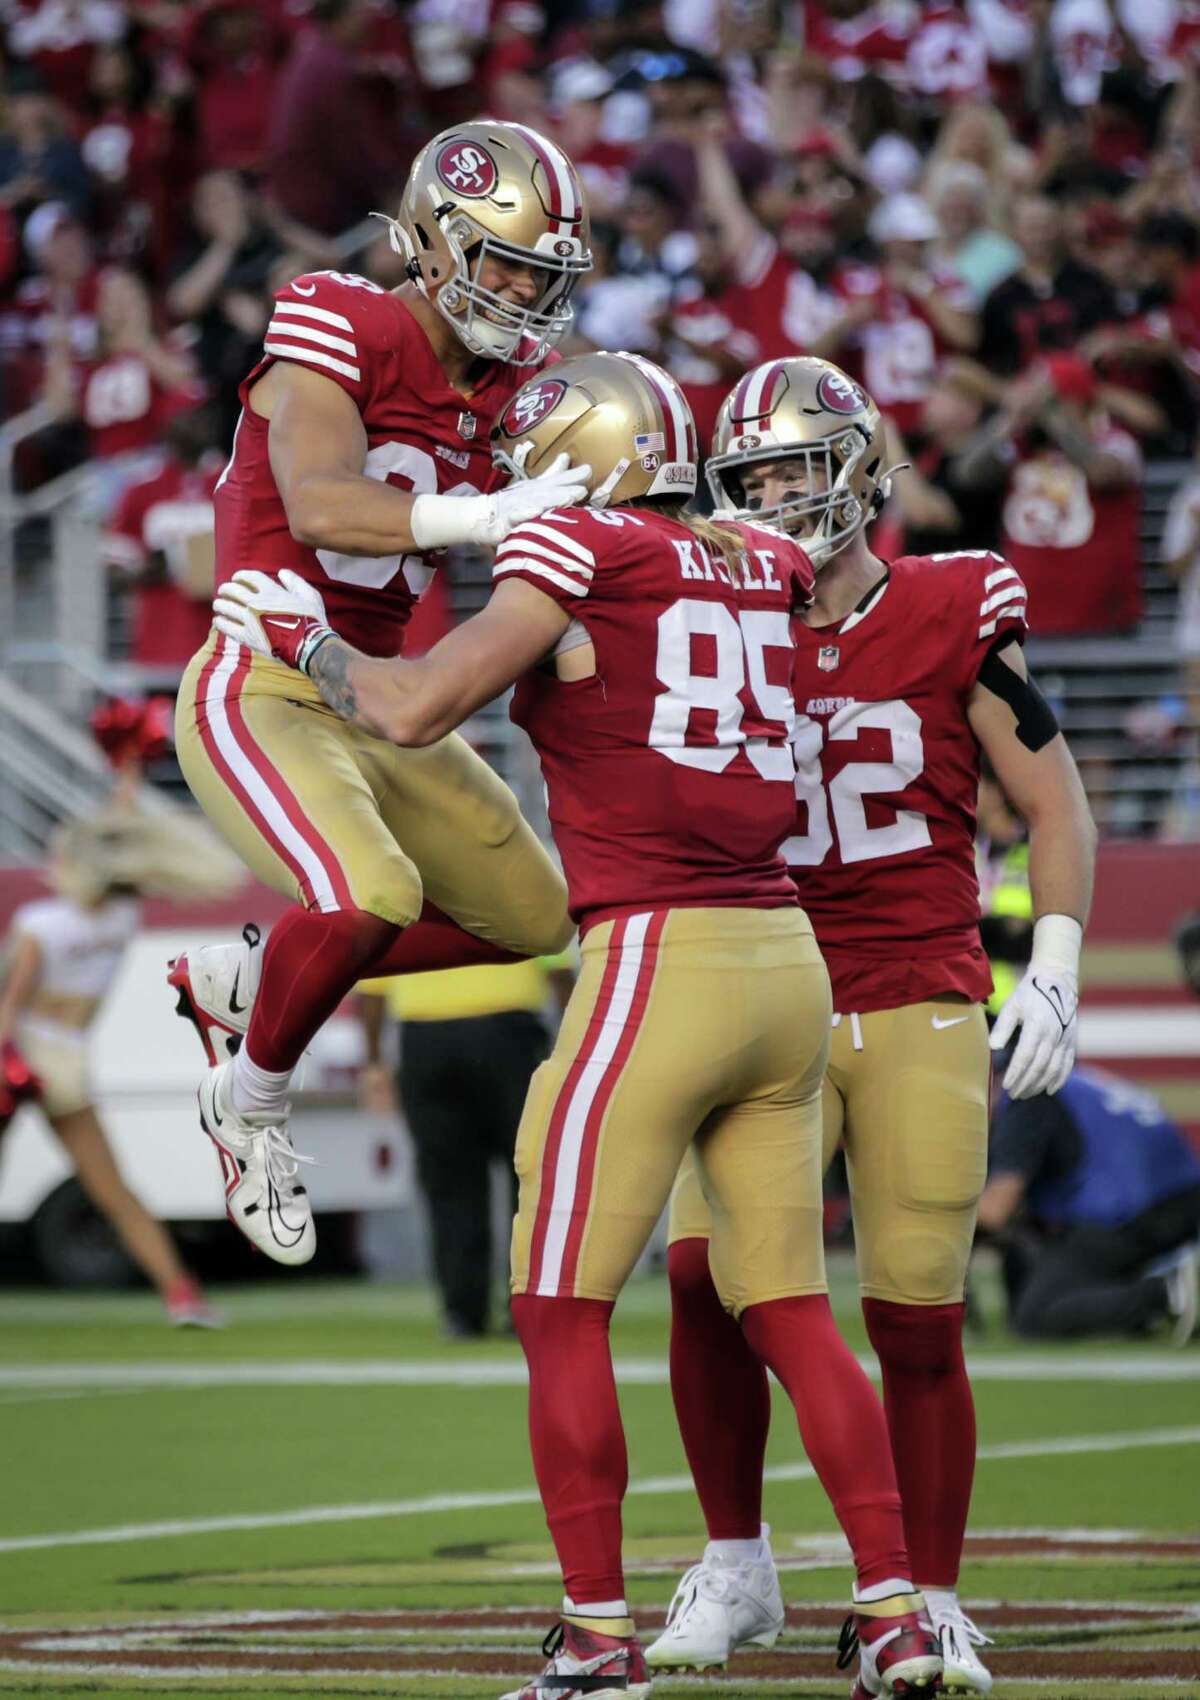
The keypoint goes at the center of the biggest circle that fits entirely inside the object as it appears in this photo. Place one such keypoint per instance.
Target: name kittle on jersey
(695, 562)
(883, 851)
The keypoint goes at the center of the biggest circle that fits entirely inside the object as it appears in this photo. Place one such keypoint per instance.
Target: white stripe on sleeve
(1015, 612)
(311, 357)
(529, 546)
(280, 327)
(549, 534)
(539, 568)
(1008, 593)
(322, 314)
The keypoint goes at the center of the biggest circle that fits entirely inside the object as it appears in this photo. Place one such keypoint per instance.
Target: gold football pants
(906, 1090)
(338, 819)
(687, 1027)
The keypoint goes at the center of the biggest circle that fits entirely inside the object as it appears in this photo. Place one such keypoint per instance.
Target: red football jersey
(669, 771)
(887, 773)
(422, 435)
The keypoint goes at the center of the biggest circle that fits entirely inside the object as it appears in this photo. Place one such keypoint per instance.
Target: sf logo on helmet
(838, 395)
(467, 169)
(530, 406)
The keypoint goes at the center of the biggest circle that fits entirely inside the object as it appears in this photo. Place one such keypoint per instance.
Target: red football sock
(841, 1424)
(310, 962)
(722, 1398)
(435, 941)
(931, 1418)
(577, 1439)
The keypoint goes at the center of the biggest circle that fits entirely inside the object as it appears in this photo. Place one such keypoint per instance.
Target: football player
(361, 453)
(903, 674)
(652, 654)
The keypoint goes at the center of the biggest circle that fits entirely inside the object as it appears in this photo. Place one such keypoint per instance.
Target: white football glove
(438, 521)
(1044, 1008)
(282, 617)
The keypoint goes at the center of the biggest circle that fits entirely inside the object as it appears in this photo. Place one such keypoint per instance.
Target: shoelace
(282, 1159)
(958, 1623)
(701, 1580)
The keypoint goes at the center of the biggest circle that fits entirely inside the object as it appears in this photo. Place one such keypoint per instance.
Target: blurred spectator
(616, 308)
(1107, 1185)
(968, 246)
(125, 394)
(1072, 499)
(1050, 301)
(710, 340)
(55, 305)
(1181, 556)
(328, 164)
(941, 510)
(1187, 943)
(39, 161)
(471, 1039)
(220, 284)
(233, 49)
(61, 39)
(579, 89)
(160, 541)
(979, 135)
(900, 317)
(687, 90)
(127, 146)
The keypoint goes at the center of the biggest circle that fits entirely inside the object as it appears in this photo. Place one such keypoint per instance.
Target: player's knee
(924, 1265)
(927, 1338)
(689, 1274)
(389, 887)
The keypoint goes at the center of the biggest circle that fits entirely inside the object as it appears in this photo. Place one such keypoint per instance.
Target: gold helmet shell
(489, 187)
(619, 414)
(808, 410)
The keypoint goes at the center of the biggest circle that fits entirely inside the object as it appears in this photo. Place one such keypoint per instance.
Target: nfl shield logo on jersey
(828, 657)
(466, 425)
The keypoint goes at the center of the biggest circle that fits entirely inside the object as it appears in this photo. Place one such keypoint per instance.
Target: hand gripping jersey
(423, 435)
(883, 854)
(669, 771)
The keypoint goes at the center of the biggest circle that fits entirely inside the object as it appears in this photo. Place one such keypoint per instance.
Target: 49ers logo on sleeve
(837, 394)
(467, 169)
(530, 406)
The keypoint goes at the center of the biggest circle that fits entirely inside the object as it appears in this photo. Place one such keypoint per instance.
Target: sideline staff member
(470, 1040)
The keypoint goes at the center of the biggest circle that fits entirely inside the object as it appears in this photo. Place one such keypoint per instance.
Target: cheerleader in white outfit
(63, 953)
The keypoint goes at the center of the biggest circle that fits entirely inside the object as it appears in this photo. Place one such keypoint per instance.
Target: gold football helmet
(617, 413)
(495, 188)
(803, 410)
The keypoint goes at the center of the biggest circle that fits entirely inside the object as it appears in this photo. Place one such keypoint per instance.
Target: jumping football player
(362, 451)
(903, 674)
(652, 654)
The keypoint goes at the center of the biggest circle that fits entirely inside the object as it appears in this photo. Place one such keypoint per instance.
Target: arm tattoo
(329, 671)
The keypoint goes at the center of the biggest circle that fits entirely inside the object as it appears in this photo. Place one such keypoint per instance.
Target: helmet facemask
(487, 323)
(828, 514)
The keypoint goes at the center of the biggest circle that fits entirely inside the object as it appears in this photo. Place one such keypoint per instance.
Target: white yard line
(510, 1372)
(306, 1516)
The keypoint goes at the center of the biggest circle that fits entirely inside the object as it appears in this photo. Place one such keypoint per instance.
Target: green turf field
(325, 1499)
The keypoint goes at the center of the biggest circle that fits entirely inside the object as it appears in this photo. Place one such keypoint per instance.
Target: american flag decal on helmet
(1004, 598)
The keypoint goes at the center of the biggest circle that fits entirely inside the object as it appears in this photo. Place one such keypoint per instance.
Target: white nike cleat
(717, 1609)
(217, 986)
(963, 1672)
(259, 1168)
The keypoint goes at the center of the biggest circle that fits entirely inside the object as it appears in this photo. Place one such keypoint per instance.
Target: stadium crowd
(989, 213)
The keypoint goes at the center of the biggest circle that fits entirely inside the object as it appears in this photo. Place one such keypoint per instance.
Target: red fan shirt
(422, 434)
(150, 519)
(1076, 545)
(883, 854)
(669, 771)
